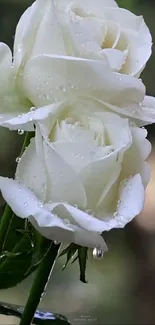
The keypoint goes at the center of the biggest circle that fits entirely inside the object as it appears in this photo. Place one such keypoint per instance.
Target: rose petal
(74, 234)
(85, 78)
(134, 157)
(25, 121)
(31, 171)
(61, 178)
(96, 176)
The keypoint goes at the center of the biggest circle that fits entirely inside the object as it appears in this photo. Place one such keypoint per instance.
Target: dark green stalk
(39, 284)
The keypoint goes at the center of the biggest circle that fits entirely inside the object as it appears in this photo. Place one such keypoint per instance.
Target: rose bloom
(68, 49)
(84, 173)
(92, 29)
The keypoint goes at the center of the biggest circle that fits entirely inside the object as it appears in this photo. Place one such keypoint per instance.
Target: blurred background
(121, 287)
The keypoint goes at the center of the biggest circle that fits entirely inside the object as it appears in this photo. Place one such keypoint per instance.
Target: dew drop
(97, 253)
(116, 214)
(63, 89)
(18, 159)
(32, 109)
(56, 242)
(89, 212)
(25, 204)
(40, 205)
(20, 132)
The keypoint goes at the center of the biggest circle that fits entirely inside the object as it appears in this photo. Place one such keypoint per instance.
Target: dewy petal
(85, 37)
(130, 203)
(21, 199)
(131, 199)
(85, 78)
(116, 128)
(89, 239)
(25, 121)
(26, 31)
(61, 178)
(73, 234)
(141, 114)
(134, 157)
(25, 204)
(138, 48)
(5, 68)
(76, 217)
(79, 155)
(84, 8)
(31, 171)
(115, 57)
(11, 104)
(53, 41)
(96, 176)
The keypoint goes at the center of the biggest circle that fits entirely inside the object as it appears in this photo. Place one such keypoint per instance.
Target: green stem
(38, 287)
(4, 224)
(8, 214)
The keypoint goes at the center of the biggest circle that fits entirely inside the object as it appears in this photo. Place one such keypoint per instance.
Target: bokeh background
(121, 287)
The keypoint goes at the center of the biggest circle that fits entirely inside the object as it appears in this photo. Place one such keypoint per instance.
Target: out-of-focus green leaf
(14, 264)
(24, 250)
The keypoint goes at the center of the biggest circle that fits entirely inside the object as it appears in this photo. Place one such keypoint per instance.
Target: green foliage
(75, 252)
(23, 249)
(128, 4)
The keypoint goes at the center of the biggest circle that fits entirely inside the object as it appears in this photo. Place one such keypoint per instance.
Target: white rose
(47, 68)
(47, 79)
(92, 29)
(82, 174)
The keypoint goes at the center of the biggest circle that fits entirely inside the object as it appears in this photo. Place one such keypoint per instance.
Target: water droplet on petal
(18, 160)
(63, 89)
(97, 253)
(20, 132)
(89, 212)
(40, 205)
(25, 204)
(32, 109)
(56, 242)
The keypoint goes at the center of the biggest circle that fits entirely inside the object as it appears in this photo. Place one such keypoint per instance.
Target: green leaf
(24, 255)
(70, 251)
(40, 317)
(14, 265)
(41, 248)
(73, 253)
(83, 256)
(68, 248)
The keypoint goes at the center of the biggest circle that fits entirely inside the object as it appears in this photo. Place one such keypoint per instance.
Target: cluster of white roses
(74, 79)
